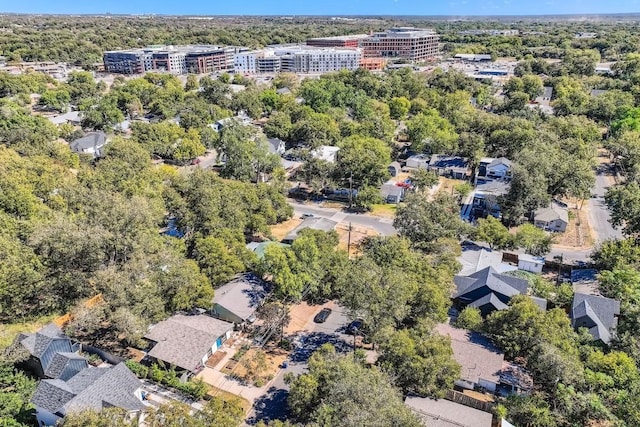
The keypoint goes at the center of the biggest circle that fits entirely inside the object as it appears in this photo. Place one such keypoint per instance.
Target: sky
(323, 7)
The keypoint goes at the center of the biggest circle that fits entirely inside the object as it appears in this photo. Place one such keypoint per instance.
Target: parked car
(322, 316)
(354, 327)
(306, 215)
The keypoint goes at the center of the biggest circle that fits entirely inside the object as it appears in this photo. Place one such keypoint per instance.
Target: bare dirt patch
(215, 359)
(578, 234)
(358, 234)
(279, 231)
(300, 314)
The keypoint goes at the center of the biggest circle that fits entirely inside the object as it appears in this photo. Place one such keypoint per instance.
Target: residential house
(53, 355)
(489, 290)
(237, 301)
(451, 166)
(283, 91)
(241, 119)
(445, 413)
(418, 161)
(90, 389)
(596, 313)
(327, 153)
(480, 361)
(514, 379)
(69, 383)
(276, 146)
(554, 217)
(72, 117)
(475, 258)
(545, 97)
(92, 143)
(186, 342)
(314, 223)
(493, 168)
(530, 263)
(392, 193)
(486, 197)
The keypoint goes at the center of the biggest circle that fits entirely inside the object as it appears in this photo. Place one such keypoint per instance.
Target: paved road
(273, 405)
(384, 226)
(599, 216)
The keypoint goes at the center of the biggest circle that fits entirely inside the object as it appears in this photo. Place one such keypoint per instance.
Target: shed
(530, 263)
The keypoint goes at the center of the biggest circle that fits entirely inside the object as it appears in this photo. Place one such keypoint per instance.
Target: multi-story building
(490, 32)
(173, 59)
(414, 44)
(297, 59)
(351, 41)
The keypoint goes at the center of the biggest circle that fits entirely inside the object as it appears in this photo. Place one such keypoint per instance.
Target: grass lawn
(384, 210)
(9, 331)
(229, 397)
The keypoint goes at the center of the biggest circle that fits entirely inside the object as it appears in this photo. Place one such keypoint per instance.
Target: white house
(552, 218)
(530, 263)
(418, 161)
(499, 168)
(92, 143)
(327, 153)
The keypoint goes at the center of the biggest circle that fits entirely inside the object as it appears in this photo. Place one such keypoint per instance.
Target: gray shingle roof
(444, 413)
(553, 212)
(184, 340)
(495, 284)
(45, 344)
(243, 295)
(91, 388)
(92, 140)
(500, 161)
(65, 365)
(602, 313)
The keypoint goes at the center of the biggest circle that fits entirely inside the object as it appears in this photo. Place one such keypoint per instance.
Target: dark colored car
(306, 215)
(354, 327)
(322, 316)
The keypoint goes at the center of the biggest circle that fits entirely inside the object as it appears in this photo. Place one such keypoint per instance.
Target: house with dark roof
(486, 197)
(186, 342)
(445, 413)
(53, 355)
(237, 301)
(489, 290)
(554, 217)
(451, 166)
(90, 389)
(596, 313)
(70, 384)
(92, 143)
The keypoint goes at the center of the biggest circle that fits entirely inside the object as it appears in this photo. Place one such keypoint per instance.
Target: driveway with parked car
(332, 329)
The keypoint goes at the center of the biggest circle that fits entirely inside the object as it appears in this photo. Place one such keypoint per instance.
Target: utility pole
(349, 242)
(350, 189)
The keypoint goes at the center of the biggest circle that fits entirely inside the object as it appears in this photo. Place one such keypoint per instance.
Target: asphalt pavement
(384, 226)
(273, 405)
(599, 216)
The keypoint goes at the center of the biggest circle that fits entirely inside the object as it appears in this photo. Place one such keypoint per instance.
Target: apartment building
(414, 44)
(350, 41)
(172, 59)
(297, 59)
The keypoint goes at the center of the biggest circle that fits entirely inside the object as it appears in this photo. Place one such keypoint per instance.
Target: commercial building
(491, 32)
(351, 41)
(296, 59)
(414, 44)
(173, 59)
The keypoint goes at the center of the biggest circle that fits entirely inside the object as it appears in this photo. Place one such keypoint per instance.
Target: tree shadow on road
(306, 345)
(271, 406)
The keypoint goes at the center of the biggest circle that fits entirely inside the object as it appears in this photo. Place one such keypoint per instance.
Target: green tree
(534, 240)
(16, 390)
(492, 231)
(429, 132)
(623, 202)
(420, 362)
(339, 390)
(399, 107)
(423, 221)
(469, 318)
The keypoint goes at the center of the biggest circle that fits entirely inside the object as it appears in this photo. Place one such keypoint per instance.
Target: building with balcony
(414, 44)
